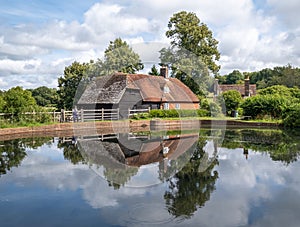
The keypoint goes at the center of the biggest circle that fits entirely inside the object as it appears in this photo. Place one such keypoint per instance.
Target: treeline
(288, 76)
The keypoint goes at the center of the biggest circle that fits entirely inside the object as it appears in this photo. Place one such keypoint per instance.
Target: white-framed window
(166, 106)
(177, 106)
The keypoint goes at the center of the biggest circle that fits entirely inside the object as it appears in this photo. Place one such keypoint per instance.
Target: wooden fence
(137, 111)
(82, 115)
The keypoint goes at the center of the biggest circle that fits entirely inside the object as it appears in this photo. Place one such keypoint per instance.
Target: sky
(39, 38)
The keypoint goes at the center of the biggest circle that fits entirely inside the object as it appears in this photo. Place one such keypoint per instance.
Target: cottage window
(166, 106)
(177, 106)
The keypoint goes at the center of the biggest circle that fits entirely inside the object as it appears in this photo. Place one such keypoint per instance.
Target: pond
(233, 177)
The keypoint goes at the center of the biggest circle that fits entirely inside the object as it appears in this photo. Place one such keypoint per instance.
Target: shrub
(292, 116)
(178, 113)
(262, 105)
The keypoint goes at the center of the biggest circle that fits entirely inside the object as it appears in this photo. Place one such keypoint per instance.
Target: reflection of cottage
(155, 150)
(246, 89)
(135, 151)
(137, 91)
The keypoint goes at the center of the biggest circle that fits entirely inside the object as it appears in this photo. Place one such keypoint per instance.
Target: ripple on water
(149, 213)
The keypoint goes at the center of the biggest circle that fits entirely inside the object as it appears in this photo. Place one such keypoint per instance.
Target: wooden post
(118, 113)
(102, 114)
(62, 115)
(81, 115)
(53, 115)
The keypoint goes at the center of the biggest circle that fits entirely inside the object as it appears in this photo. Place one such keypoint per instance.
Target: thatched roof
(109, 89)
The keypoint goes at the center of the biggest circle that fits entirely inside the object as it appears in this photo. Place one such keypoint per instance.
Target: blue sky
(39, 38)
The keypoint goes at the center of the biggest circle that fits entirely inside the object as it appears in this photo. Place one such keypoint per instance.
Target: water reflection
(12, 152)
(190, 188)
(278, 144)
(201, 184)
(138, 159)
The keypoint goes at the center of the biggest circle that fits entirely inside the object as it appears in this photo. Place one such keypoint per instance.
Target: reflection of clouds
(253, 192)
(58, 175)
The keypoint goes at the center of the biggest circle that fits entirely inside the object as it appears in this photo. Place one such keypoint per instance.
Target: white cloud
(250, 38)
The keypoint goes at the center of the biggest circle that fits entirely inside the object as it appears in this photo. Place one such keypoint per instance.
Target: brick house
(246, 89)
(137, 91)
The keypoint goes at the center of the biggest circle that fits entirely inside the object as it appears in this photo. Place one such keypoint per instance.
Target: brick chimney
(164, 71)
(247, 87)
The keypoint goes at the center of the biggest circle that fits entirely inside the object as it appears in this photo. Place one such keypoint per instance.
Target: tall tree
(69, 82)
(119, 57)
(193, 51)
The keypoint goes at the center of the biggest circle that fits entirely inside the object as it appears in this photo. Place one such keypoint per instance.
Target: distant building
(137, 91)
(246, 89)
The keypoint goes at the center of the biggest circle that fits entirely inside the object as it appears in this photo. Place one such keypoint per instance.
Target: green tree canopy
(45, 96)
(119, 57)
(2, 103)
(69, 82)
(288, 76)
(186, 31)
(17, 101)
(154, 71)
(193, 51)
(232, 100)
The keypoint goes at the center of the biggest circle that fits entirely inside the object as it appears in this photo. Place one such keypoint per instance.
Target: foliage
(71, 151)
(193, 52)
(281, 75)
(186, 31)
(232, 99)
(154, 71)
(119, 57)
(235, 77)
(69, 82)
(45, 96)
(178, 113)
(292, 116)
(11, 155)
(2, 104)
(18, 101)
(265, 105)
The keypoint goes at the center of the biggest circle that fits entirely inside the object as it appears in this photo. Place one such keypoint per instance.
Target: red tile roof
(109, 89)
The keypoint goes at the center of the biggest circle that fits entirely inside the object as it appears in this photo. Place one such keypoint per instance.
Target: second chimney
(247, 87)
(164, 72)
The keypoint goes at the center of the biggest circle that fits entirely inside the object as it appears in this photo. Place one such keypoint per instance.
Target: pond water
(238, 177)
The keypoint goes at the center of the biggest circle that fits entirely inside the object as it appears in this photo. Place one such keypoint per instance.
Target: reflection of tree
(71, 151)
(107, 154)
(280, 145)
(118, 177)
(11, 155)
(191, 188)
(36, 142)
